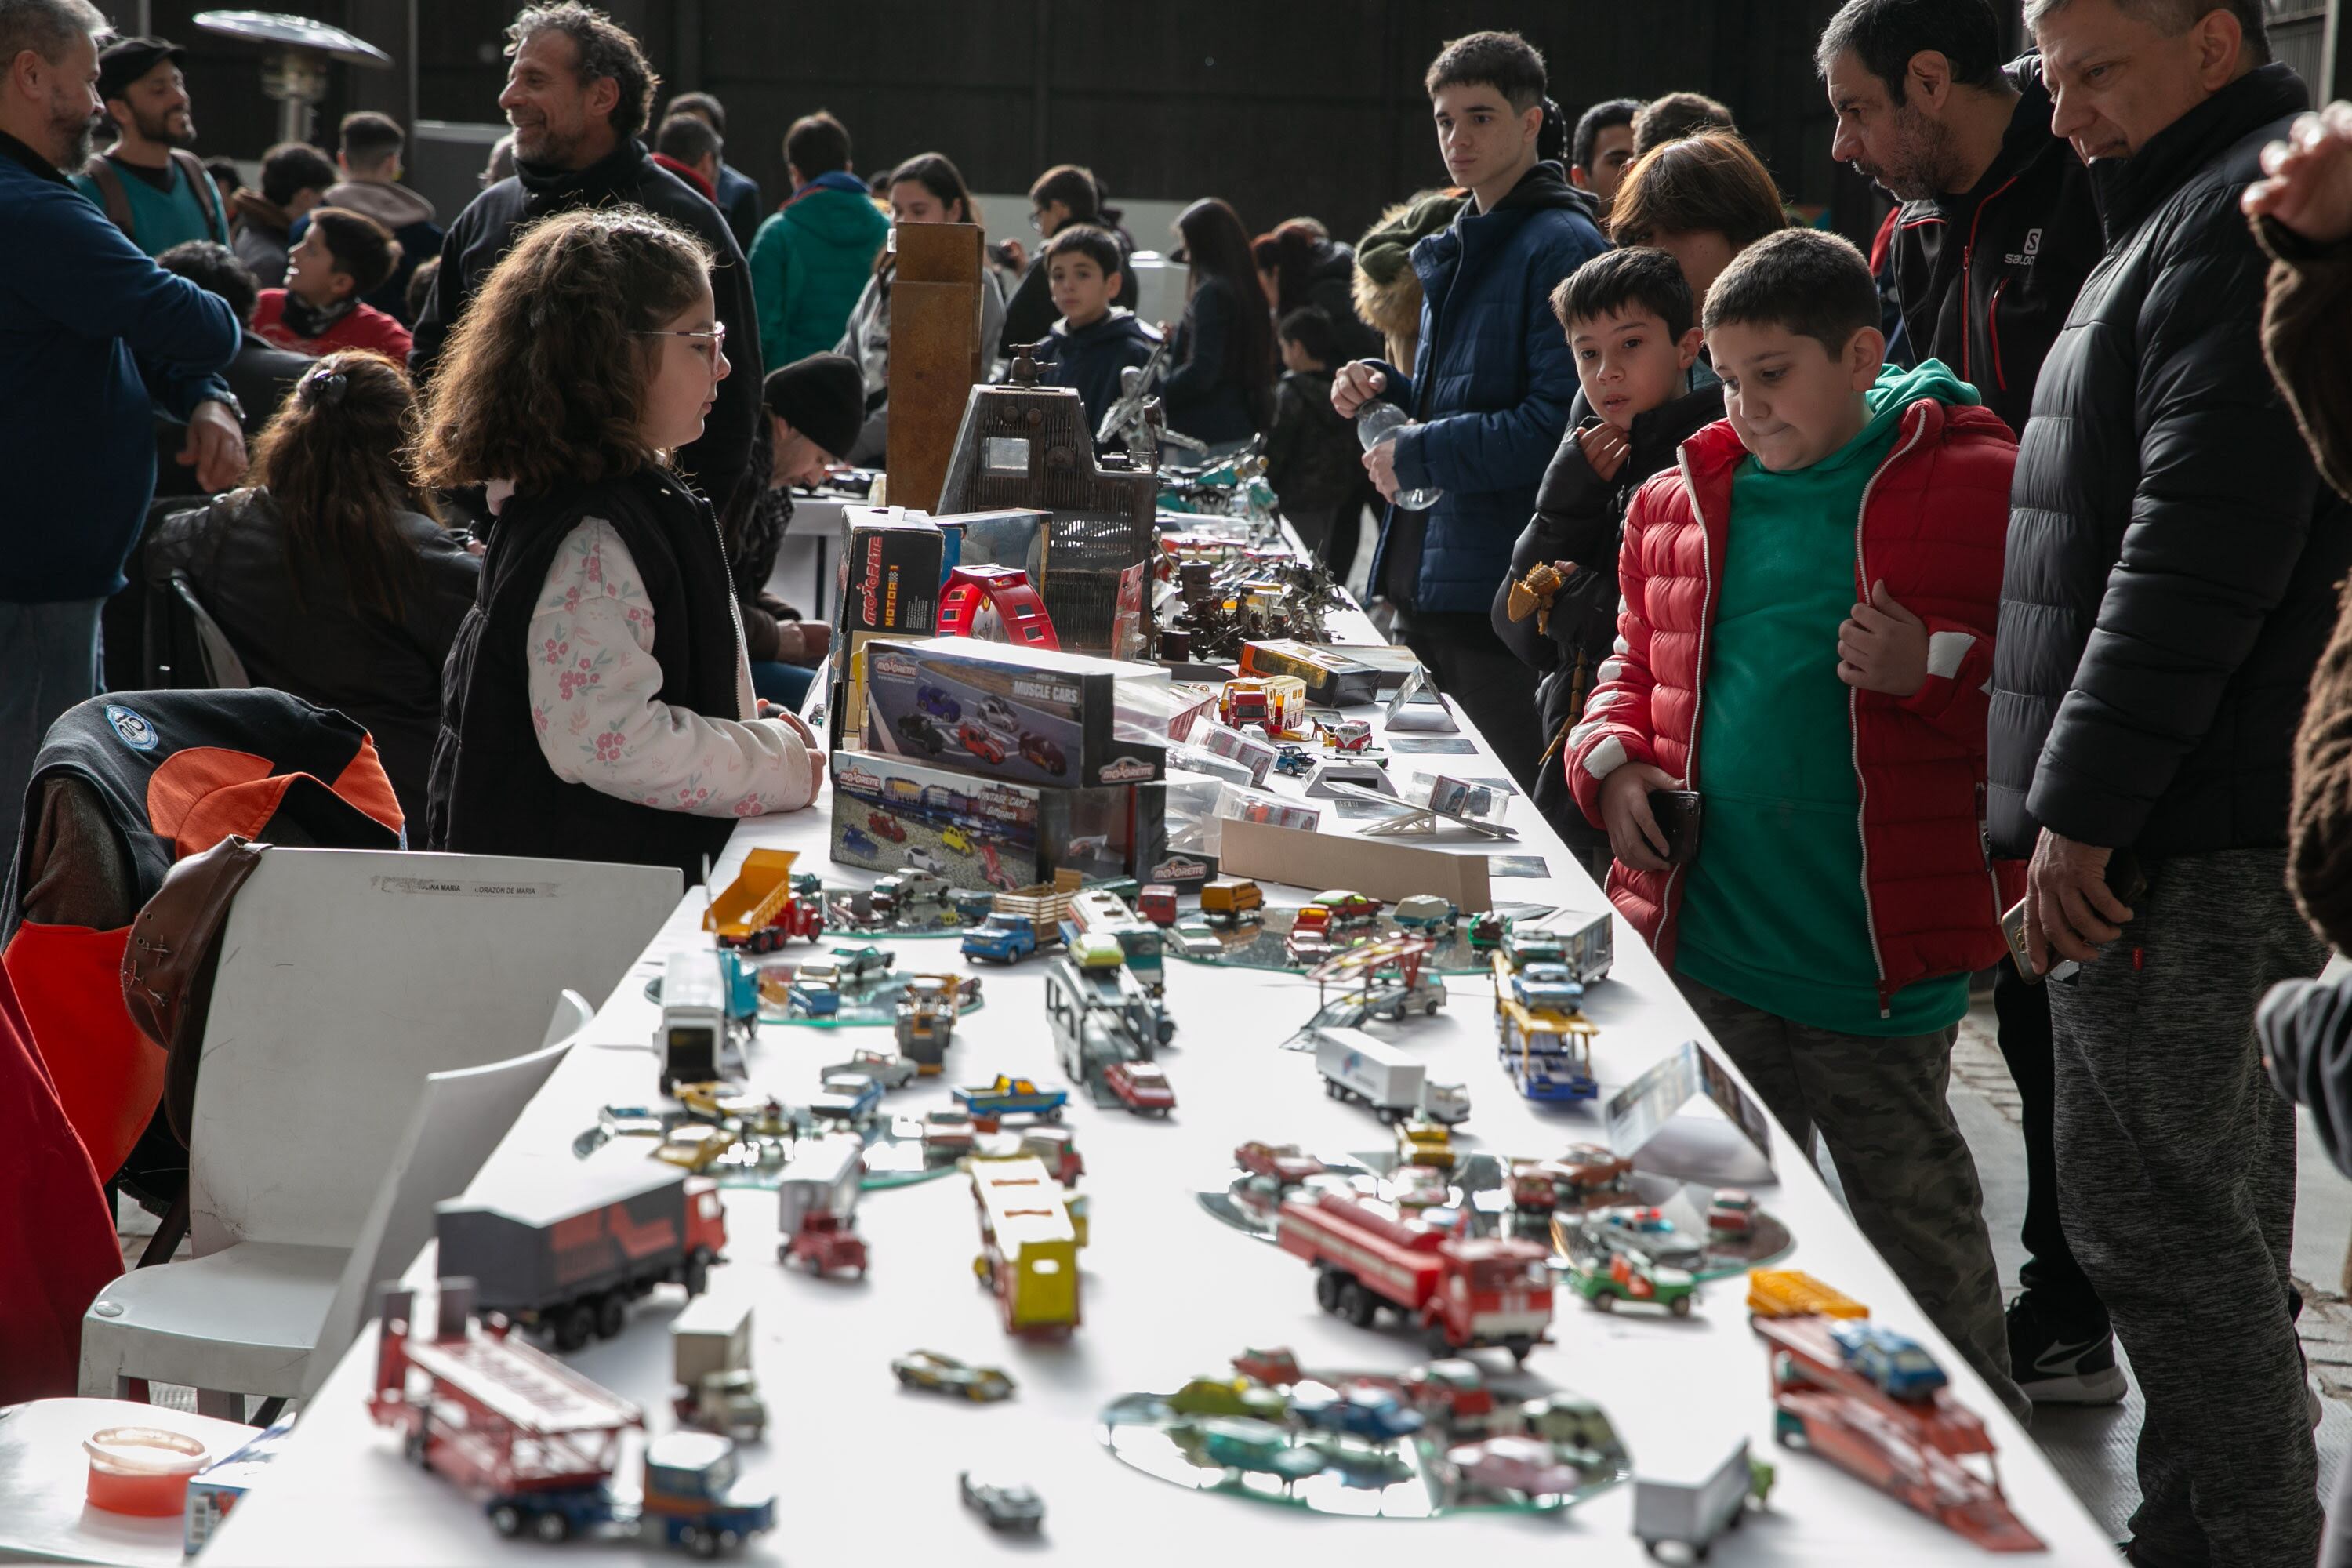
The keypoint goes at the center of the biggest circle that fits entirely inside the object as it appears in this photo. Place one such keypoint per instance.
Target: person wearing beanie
(1388, 290)
(815, 408)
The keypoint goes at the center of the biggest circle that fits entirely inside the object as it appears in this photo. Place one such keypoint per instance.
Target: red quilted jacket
(1934, 524)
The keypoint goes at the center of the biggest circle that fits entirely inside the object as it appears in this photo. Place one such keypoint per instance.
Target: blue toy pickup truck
(1002, 939)
(1012, 1097)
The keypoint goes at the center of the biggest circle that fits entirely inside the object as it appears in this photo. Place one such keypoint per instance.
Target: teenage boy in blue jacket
(1491, 384)
(95, 339)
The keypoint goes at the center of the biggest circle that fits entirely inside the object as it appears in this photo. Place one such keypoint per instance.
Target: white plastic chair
(346, 978)
(459, 1120)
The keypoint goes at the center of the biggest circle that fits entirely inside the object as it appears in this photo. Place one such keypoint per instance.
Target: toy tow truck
(1461, 1292)
(476, 1404)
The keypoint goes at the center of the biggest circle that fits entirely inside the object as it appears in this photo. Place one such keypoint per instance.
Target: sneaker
(2056, 1367)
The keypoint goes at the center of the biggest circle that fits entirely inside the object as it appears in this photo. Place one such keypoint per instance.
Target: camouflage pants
(2176, 1181)
(1879, 1103)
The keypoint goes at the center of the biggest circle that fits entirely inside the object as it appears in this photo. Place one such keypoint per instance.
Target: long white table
(864, 1472)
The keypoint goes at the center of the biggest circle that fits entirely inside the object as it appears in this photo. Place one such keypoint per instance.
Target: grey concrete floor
(2093, 1449)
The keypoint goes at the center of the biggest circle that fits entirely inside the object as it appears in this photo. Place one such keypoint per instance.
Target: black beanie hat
(823, 397)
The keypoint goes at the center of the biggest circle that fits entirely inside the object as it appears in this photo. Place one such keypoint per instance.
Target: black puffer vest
(492, 791)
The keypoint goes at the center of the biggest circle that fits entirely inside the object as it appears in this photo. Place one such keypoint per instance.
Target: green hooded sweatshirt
(810, 262)
(1773, 912)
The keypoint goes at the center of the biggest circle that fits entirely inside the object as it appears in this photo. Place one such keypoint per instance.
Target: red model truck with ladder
(1462, 1292)
(479, 1405)
(1926, 1451)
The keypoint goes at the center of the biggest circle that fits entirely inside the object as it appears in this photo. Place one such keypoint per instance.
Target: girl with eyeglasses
(598, 703)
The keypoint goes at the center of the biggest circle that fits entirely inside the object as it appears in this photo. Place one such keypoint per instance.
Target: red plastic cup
(141, 1470)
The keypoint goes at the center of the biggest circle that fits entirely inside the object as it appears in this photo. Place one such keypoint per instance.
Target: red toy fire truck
(1461, 1292)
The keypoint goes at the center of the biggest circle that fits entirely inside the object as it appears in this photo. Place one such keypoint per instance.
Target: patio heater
(294, 54)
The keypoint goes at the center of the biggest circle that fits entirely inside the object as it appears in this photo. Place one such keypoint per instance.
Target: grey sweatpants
(1879, 1103)
(2176, 1181)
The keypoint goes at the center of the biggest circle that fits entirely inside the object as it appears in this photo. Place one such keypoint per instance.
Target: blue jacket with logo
(1491, 386)
(95, 339)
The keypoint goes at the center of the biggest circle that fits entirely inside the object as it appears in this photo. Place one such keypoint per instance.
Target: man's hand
(1605, 448)
(1381, 463)
(216, 447)
(1635, 836)
(1356, 385)
(1883, 646)
(2068, 904)
(2310, 184)
(1016, 257)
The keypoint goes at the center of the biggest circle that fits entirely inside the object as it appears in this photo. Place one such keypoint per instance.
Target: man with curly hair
(579, 94)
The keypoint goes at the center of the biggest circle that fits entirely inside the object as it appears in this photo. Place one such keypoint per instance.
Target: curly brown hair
(544, 381)
(329, 458)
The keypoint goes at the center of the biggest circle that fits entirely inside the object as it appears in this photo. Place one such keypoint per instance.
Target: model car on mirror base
(1626, 1277)
(1732, 1211)
(1525, 1465)
(1227, 1397)
(1277, 1368)
(1244, 1443)
(1284, 1163)
(1004, 1506)
(945, 1374)
(887, 1068)
(1363, 1410)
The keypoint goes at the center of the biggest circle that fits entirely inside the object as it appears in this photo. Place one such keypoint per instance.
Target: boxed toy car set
(1026, 715)
(887, 589)
(891, 812)
(1333, 679)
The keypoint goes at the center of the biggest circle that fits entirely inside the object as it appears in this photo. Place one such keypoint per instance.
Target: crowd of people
(2002, 561)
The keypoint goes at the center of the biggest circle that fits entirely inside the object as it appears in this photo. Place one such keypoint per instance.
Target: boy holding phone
(1820, 685)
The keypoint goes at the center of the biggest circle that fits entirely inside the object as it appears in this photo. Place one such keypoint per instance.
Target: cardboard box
(889, 813)
(1026, 714)
(887, 583)
(1385, 870)
(1014, 538)
(1333, 679)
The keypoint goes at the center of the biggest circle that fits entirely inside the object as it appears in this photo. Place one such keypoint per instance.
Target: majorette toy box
(888, 588)
(1333, 679)
(889, 814)
(1017, 712)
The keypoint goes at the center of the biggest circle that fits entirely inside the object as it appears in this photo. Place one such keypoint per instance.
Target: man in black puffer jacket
(2168, 588)
(577, 95)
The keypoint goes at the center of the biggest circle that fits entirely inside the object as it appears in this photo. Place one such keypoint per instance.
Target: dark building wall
(1281, 105)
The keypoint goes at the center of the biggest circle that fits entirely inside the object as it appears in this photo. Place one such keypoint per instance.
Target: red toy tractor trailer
(569, 1251)
(1461, 1292)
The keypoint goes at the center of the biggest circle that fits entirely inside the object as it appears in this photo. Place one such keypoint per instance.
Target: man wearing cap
(815, 407)
(148, 182)
(95, 339)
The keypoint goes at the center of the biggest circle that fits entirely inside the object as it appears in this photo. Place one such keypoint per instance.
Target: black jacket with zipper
(1581, 517)
(1985, 279)
(2172, 555)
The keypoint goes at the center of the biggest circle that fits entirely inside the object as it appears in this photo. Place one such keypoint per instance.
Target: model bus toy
(1028, 1244)
(539, 1443)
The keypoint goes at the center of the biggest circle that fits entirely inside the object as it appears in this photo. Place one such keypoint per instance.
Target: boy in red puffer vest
(1804, 641)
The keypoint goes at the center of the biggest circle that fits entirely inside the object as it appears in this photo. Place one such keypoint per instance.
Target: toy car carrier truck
(567, 1247)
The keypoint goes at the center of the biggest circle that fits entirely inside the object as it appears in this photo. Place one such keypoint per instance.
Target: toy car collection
(539, 1443)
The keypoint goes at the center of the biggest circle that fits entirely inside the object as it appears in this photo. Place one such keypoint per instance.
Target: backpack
(109, 181)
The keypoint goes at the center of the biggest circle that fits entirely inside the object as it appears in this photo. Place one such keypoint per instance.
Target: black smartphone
(1678, 815)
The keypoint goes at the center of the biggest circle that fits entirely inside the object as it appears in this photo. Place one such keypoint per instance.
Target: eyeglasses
(717, 334)
(1037, 220)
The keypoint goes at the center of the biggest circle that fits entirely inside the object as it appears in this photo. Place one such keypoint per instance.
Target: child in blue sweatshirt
(1095, 339)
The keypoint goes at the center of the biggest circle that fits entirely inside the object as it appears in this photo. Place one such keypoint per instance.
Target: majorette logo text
(1180, 869)
(857, 778)
(897, 666)
(1124, 769)
(869, 585)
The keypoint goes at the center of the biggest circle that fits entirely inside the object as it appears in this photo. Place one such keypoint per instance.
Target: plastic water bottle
(1377, 424)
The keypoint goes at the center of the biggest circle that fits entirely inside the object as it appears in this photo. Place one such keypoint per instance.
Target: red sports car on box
(1141, 1086)
(979, 742)
(886, 827)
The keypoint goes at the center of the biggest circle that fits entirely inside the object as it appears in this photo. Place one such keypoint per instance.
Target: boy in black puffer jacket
(1095, 339)
(1632, 328)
